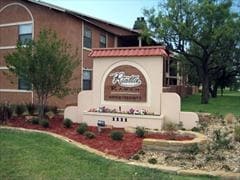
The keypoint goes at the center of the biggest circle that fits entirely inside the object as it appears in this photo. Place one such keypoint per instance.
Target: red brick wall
(8, 80)
(3, 53)
(67, 27)
(10, 40)
(16, 97)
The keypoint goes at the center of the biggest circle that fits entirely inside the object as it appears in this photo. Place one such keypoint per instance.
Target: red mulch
(126, 148)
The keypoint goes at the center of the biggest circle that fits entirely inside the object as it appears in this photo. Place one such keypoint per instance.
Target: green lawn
(25, 155)
(228, 103)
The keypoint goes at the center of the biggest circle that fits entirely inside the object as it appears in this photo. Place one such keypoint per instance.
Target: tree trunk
(215, 88)
(205, 90)
(222, 91)
(41, 104)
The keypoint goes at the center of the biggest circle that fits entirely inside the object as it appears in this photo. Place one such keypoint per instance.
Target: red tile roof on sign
(129, 52)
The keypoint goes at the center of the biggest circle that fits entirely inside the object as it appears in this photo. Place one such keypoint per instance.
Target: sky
(121, 12)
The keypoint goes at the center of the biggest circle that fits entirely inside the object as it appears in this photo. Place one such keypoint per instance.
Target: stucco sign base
(124, 120)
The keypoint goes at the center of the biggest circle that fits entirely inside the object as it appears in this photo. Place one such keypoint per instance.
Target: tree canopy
(204, 32)
(46, 63)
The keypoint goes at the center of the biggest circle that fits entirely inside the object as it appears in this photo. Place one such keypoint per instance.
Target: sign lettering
(125, 83)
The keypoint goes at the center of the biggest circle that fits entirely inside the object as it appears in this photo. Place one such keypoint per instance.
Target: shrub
(116, 135)
(170, 126)
(193, 149)
(31, 108)
(136, 157)
(35, 120)
(19, 109)
(152, 161)
(141, 152)
(140, 132)
(196, 129)
(82, 128)
(67, 123)
(220, 140)
(44, 123)
(237, 133)
(6, 112)
(89, 135)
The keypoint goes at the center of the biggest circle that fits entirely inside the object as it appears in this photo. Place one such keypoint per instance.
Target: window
(103, 41)
(25, 33)
(87, 38)
(24, 85)
(87, 79)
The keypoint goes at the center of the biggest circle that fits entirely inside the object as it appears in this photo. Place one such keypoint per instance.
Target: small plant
(89, 135)
(6, 112)
(116, 135)
(140, 132)
(237, 133)
(35, 120)
(82, 128)
(152, 161)
(170, 126)
(136, 157)
(19, 109)
(196, 129)
(31, 108)
(44, 123)
(67, 123)
(141, 152)
(220, 140)
(193, 149)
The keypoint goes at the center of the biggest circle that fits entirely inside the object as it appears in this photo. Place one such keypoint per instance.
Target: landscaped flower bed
(102, 142)
(125, 148)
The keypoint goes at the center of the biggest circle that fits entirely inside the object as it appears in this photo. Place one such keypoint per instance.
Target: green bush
(67, 123)
(220, 140)
(152, 161)
(196, 129)
(193, 149)
(82, 128)
(136, 157)
(35, 120)
(19, 109)
(89, 135)
(116, 135)
(31, 108)
(140, 132)
(237, 133)
(170, 126)
(6, 112)
(44, 123)
(141, 152)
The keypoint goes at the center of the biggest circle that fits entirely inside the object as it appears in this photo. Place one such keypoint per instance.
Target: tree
(45, 63)
(197, 30)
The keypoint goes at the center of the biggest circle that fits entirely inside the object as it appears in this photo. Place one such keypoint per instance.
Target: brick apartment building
(23, 19)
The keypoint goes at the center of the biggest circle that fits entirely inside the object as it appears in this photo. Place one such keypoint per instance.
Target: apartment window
(103, 41)
(87, 79)
(24, 85)
(87, 37)
(25, 33)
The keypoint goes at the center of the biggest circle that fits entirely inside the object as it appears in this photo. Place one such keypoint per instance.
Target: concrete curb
(167, 169)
